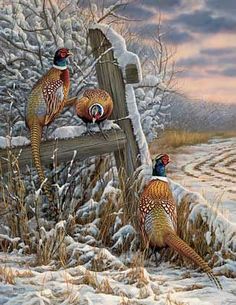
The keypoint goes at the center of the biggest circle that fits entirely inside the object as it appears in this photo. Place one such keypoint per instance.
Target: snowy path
(209, 169)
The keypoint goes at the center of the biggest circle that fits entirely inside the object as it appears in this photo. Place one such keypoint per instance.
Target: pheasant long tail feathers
(176, 243)
(36, 133)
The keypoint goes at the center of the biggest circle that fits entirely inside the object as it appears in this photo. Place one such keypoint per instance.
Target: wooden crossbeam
(86, 146)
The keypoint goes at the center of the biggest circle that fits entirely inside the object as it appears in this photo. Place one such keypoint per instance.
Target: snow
(122, 235)
(12, 240)
(138, 285)
(3, 142)
(137, 127)
(209, 169)
(67, 132)
(128, 278)
(6, 142)
(150, 80)
(66, 281)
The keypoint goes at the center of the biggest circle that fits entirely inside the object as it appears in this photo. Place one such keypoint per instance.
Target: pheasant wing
(54, 96)
(82, 107)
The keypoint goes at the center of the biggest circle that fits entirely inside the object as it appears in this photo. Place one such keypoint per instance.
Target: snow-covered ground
(95, 275)
(209, 169)
(114, 283)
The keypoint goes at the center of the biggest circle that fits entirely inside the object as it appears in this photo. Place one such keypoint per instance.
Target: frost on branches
(96, 225)
(152, 94)
(31, 31)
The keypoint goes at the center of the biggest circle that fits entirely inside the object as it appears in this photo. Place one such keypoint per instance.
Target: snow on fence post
(116, 69)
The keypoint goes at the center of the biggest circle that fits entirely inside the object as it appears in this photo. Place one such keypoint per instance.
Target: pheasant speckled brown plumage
(46, 100)
(93, 98)
(158, 218)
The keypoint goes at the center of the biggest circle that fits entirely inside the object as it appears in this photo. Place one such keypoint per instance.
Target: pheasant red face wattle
(165, 159)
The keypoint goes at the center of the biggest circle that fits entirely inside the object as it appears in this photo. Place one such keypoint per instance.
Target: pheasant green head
(159, 165)
(60, 58)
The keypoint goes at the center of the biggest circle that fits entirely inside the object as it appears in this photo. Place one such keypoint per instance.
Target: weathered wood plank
(111, 79)
(86, 146)
(131, 73)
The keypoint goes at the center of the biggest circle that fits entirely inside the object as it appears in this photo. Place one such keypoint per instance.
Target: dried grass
(136, 273)
(90, 279)
(107, 219)
(105, 287)
(170, 301)
(189, 288)
(24, 273)
(7, 275)
(13, 207)
(70, 295)
(172, 139)
(143, 293)
(51, 245)
(126, 301)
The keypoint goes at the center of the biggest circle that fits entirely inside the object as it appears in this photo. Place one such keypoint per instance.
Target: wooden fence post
(110, 78)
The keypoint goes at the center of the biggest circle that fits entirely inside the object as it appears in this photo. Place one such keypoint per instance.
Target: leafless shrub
(105, 287)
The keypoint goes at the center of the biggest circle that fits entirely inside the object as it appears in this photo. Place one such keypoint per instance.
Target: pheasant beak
(70, 53)
(94, 120)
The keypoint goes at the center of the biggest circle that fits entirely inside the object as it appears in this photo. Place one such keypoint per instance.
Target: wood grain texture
(111, 79)
(86, 146)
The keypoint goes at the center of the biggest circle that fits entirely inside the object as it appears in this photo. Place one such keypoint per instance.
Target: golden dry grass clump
(172, 139)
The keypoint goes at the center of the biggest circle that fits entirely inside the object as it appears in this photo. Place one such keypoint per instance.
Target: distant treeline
(196, 115)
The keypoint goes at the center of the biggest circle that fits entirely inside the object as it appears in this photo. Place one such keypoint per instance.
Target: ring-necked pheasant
(95, 106)
(46, 100)
(158, 217)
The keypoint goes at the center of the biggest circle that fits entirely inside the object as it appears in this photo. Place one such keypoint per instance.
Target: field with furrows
(209, 169)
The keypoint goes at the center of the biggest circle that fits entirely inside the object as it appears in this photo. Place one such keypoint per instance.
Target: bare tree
(159, 80)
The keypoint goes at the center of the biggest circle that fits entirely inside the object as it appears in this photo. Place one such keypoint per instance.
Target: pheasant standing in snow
(158, 217)
(95, 106)
(46, 100)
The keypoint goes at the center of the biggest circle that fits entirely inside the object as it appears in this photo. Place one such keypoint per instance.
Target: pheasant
(94, 107)
(158, 217)
(46, 100)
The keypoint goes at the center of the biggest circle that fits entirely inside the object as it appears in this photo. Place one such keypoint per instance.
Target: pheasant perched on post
(158, 217)
(95, 106)
(46, 100)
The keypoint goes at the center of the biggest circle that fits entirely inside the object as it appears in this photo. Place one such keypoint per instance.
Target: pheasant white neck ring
(60, 67)
(162, 178)
(96, 111)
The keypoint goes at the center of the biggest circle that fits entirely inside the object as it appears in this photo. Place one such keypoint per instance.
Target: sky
(203, 32)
